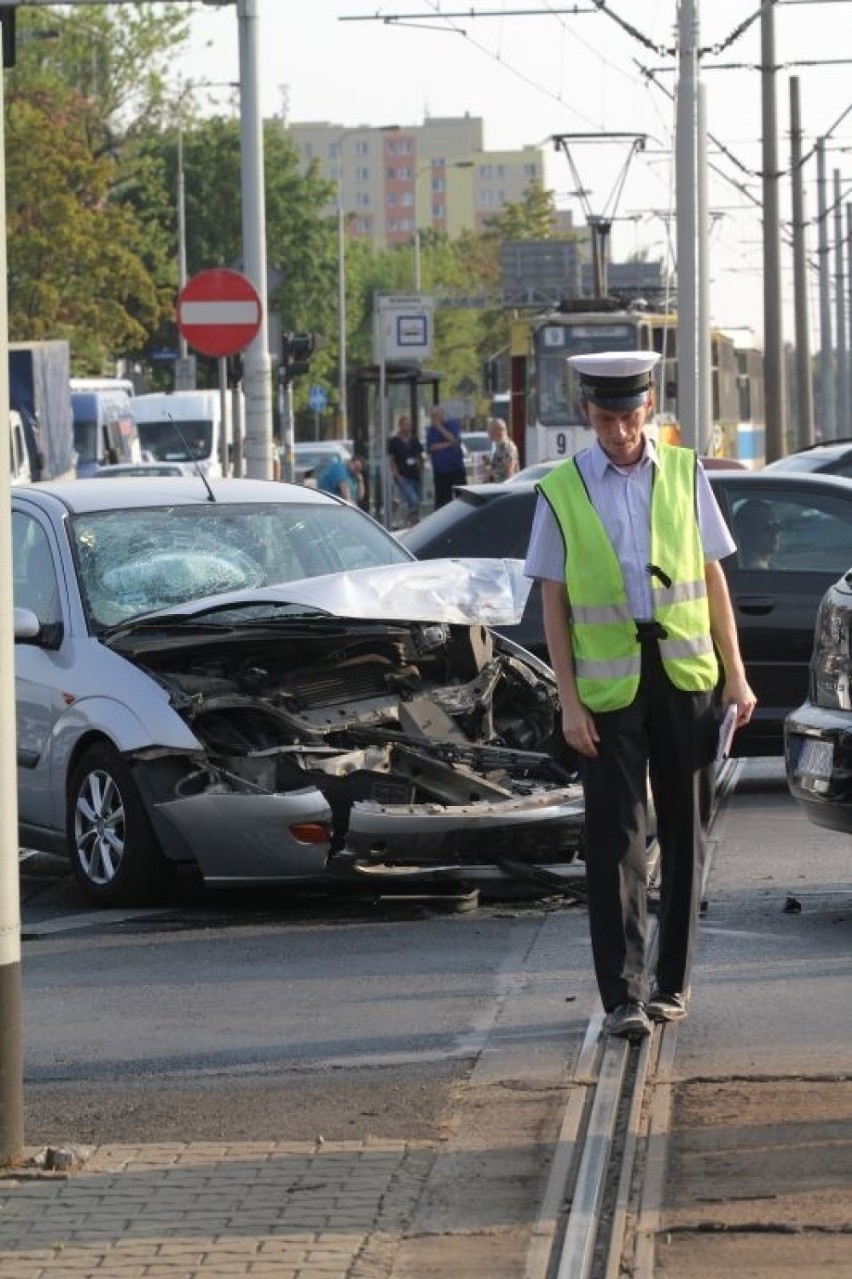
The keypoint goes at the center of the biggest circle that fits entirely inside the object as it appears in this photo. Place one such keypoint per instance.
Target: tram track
(601, 1208)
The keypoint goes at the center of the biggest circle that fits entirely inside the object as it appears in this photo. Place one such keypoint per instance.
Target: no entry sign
(218, 312)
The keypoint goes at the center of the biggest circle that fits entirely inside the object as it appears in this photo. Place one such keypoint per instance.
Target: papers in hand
(726, 733)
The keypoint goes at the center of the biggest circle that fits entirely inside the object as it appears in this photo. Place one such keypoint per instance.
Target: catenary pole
(687, 224)
(804, 380)
(256, 362)
(772, 335)
(826, 370)
(704, 438)
(840, 370)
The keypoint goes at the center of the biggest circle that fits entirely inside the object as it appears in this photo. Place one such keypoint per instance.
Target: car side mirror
(29, 630)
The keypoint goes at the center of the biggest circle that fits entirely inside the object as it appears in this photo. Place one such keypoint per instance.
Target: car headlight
(830, 660)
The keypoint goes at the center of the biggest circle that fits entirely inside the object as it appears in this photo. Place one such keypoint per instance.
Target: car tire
(114, 853)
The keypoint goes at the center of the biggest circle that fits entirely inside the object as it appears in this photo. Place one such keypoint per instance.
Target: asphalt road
(236, 1016)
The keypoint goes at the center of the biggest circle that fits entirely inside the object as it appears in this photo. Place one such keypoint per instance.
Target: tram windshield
(557, 384)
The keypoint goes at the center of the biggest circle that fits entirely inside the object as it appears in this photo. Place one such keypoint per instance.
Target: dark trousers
(445, 481)
(667, 735)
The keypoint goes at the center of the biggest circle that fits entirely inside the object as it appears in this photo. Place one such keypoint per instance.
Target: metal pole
(685, 167)
(383, 439)
(848, 424)
(225, 435)
(11, 1054)
(826, 370)
(841, 378)
(804, 379)
(183, 347)
(704, 436)
(256, 362)
(772, 335)
(341, 302)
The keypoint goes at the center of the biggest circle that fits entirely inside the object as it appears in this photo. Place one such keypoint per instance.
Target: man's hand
(578, 729)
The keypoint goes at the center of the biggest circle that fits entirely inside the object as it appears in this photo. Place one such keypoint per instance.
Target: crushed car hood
(488, 592)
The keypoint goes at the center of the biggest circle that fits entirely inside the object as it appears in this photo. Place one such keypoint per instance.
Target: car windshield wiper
(211, 622)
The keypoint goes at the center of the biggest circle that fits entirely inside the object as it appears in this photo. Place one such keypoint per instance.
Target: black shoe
(666, 1006)
(628, 1021)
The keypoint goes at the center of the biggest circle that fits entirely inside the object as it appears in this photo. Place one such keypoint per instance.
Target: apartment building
(393, 180)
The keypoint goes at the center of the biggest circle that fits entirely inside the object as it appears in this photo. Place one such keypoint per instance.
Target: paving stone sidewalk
(183, 1210)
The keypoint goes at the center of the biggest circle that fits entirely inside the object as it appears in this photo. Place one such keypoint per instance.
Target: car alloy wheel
(114, 853)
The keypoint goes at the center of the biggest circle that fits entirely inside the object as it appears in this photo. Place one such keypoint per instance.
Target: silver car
(258, 679)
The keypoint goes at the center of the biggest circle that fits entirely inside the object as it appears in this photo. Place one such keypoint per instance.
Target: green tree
(79, 256)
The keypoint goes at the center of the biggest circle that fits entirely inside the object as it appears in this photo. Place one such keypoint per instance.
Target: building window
(486, 171)
(362, 174)
(363, 226)
(530, 170)
(407, 199)
(404, 172)
(362, 200)
(391, 201)
(439, 211)
(438, 184)
(362, 148)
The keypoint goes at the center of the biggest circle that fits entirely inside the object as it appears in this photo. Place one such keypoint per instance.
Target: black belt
(650, 631)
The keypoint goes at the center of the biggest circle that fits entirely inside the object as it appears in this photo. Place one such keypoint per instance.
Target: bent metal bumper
(238, 838)
(541, 828)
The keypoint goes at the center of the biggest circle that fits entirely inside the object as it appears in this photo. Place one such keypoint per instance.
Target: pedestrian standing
(626, 540)
(503, 462)
(443, 444)
(405, 458)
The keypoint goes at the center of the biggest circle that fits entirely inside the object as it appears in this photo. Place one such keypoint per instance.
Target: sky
(572, 68)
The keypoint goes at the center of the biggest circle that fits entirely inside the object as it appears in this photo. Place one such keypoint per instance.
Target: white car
(258, 679)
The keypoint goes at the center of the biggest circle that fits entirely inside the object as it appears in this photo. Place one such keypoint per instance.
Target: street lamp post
(455, 164)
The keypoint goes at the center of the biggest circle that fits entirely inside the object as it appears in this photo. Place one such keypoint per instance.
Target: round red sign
(219, 312)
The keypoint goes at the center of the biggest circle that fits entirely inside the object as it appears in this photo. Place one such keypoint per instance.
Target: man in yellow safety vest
(626, 541)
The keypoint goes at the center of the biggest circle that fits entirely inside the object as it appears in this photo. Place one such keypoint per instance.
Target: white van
(183, 426)
(19, 458)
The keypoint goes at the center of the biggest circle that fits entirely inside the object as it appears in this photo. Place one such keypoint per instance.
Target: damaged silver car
(258, 680)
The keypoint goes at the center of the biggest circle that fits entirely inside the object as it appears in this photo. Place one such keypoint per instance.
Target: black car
(776, 587)
(831, 458)
(818, 736)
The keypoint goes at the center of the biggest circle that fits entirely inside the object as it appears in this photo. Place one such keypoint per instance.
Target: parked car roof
(775, 608)
(833, 457)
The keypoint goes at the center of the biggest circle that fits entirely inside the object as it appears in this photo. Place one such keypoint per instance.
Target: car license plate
(816, 759)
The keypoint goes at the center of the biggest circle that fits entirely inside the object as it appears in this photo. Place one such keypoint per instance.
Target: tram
(545, 416)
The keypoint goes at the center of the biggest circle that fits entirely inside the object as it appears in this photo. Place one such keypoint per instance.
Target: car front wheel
(114, 852)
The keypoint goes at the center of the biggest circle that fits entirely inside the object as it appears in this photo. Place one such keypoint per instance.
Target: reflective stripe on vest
(607, 653)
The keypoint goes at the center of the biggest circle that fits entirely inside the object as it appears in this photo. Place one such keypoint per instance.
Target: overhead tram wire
(444, 20)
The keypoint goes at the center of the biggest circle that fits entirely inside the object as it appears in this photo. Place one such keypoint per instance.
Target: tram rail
(601, 1208)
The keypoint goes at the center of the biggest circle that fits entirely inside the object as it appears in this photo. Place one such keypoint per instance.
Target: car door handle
(756, 604)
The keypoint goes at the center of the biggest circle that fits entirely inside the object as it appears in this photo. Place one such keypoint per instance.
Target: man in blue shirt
(443, 444)
(342, 478)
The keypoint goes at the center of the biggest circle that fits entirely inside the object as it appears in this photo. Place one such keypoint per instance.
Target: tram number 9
(561, 444)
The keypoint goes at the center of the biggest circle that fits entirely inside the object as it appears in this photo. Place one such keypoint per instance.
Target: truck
(185, 426)
(40, 391)
(104, 427)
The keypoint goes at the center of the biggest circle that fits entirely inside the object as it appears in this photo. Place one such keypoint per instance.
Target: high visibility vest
(607, 652)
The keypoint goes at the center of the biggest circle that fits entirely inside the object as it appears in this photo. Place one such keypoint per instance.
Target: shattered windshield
(132, 562)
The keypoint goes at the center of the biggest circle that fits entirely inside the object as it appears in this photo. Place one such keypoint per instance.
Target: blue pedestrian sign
(317, 399)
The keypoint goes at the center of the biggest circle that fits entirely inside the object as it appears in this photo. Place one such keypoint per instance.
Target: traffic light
(296, 352)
